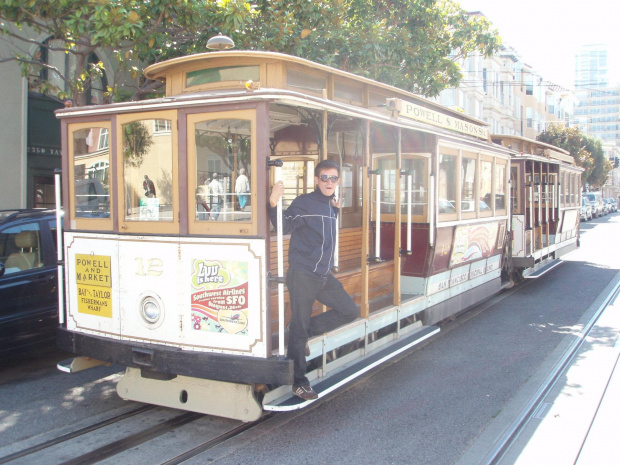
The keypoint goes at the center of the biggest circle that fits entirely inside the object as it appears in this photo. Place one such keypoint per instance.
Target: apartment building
(509, 94)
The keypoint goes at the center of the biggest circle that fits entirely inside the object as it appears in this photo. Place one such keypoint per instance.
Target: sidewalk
(576, 422)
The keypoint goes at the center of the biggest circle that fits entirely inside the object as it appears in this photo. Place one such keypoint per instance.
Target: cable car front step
(347, 373)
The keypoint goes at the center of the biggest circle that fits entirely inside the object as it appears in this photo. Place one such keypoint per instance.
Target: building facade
(509, 95)
(30, 135)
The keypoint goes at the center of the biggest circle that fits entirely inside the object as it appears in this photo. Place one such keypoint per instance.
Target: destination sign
(94, 284)
(425, 115)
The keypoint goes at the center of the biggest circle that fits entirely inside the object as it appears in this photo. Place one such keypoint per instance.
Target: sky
(548, 33)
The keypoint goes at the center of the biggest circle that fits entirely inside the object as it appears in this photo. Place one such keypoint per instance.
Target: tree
(412, 44)
(133, 29)
(587, 152)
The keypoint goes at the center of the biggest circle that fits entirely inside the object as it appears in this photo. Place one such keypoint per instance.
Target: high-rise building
(592, 67)
(597, 91)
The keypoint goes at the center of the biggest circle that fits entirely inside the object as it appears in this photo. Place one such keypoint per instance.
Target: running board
(347, 373)
(73, 365)
(538, 272)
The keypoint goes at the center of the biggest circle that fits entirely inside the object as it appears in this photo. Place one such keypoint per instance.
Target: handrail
(409, 193)
(278, 176)
(59, 251)
(378, 218)
(432, 208)
(336, 266)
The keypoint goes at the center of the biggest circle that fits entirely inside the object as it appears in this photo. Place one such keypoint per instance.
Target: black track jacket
(312, 221)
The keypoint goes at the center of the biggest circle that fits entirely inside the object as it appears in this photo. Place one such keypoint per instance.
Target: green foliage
(412, 44)
(134, 29)
(587, 152)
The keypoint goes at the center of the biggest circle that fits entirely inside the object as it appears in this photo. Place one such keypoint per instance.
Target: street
(427, 407)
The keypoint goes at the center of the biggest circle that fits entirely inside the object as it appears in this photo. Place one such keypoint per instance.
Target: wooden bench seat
(381, 275)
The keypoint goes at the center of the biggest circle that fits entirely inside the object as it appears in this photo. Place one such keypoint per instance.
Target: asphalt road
(430, 406)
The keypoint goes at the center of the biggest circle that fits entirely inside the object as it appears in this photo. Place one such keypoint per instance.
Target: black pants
(304, 289)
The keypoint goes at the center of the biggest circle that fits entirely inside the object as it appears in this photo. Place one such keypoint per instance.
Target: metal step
(347, 373)
(548, 266)
(73, 365)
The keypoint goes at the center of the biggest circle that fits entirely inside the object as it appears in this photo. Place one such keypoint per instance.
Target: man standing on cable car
(312, 221)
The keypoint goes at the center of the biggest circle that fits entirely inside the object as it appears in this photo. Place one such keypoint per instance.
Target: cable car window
(468, 184)
(223, 170)
(447, 183)
(515, 198)
(347, 92)
(387, 168)
(377, 100)
(486, 182)
(147, 171)
(536, 186)
(91, 172)
(551, 190)
(500, 186)
(417, 167)
(345, 147)
(229, 73)
(298, 178)
(305, 81)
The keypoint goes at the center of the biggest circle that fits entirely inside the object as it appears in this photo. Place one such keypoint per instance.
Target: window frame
(149, 227)
(488, 159)
(515, 186)
(455, 152)
(314, 73)
(466, 155)
(221, 228)
(100, 224)
(507, 167)
(391, 216)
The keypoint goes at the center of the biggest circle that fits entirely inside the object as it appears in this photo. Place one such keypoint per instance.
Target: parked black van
(28, 280)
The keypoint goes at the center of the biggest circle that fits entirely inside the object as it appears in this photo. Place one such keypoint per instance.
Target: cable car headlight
(151, 310)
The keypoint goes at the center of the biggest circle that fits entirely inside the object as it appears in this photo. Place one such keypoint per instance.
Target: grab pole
(378, 219)
(432, 209)
(409, 187)
(554, 193)
(336, 266)
(59, 251)
(278, 177)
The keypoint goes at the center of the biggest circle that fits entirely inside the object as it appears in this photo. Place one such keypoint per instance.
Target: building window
(52, 53)
(104, 139)
(529, 86)
(162, 126)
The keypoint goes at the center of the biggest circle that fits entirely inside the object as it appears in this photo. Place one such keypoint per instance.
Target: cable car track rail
(73, 434)
(119, 445)
(513, 432)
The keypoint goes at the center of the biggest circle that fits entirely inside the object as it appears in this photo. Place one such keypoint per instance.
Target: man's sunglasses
(325, 178)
